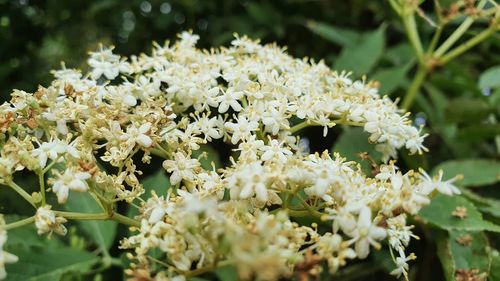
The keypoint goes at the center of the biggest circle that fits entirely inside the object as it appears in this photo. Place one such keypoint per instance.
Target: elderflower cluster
(89, 134)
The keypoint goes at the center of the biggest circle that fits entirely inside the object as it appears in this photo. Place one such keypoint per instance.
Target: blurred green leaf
(490, 78)
(159, 182)
(340, 36)
(362, 57)
(476, 172)
(440, 214)
(48, 264)
(466, 110)
(354, 141)
(495, 267)
(463, 251)
(210, 156)
(102, 232)
(226, 273)
(390, 78)
(475, 132)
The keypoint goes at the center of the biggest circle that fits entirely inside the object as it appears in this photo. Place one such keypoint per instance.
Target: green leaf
(362, 57)
(390, 78)
(476, 132)
(463, 251)
(495, 266)
(226, 273)
(354, 141)
(467, 110)
(439, 213)
(48, 264)
(490, 78)
(340, 36)
(211, 156)
(101, 232)
(159, 182)
(476, 172)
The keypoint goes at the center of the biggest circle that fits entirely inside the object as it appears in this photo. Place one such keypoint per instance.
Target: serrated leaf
(476, 172)
(362, 57)
(463, 251)
(340, 36)
(490, 78)
(48, 264)
(440, 214)
(101, 232)
(354, 141)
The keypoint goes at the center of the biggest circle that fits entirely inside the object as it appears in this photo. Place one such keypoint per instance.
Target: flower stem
(414, 87)
(41, 180)
(468, 44)
(23, 193)
(19, 223)
(99, 216)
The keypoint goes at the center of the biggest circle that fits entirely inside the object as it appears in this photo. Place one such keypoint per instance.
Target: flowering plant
(88, 134)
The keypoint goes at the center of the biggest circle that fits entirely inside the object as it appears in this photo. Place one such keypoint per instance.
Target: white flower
(48, 150)
(364, 233)
(242, 129)
(182, 168)
(104, 62)
(139, 135)
(229, 98)
(70, 180)
(250, 180)
(429, 184)
(275, 151)
(46, 221)
(5, 257)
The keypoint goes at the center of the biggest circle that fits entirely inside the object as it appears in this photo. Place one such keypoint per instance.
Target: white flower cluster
(85, 131)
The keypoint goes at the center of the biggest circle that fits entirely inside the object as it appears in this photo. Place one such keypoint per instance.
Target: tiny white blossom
(70, 180)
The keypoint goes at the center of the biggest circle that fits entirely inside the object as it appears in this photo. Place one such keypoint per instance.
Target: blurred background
(458, 105)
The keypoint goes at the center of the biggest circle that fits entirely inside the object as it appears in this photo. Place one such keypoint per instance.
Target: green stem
(19, 223)
(412, 33)
(23, 193)
(468, 44)
(41, 180)
(414, 87)
(99, 216)
(457, 33)
(435, 40)
(206, 269)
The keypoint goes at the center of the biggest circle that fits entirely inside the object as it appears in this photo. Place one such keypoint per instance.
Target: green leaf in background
(48, 264)
(362, 57)
(40, 258)
(476, 132)
(211, 155)
(440, 213)
(495, 266)
(490, 78)
(354, 141)
(340, 36)
(390, 78)
(464, 251)
(159, 182)
(226, 273)
(101, 232)
(476, 172)
(467, 110)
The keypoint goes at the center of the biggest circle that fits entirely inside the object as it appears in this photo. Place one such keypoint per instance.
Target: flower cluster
(89, 134)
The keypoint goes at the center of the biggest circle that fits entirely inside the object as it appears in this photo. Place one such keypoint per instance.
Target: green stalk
(99, 216)
(23, 193)
(41, 179)
(414, 87)
(412, 33)
(457, 33)
(468, 44)
(19, 223)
